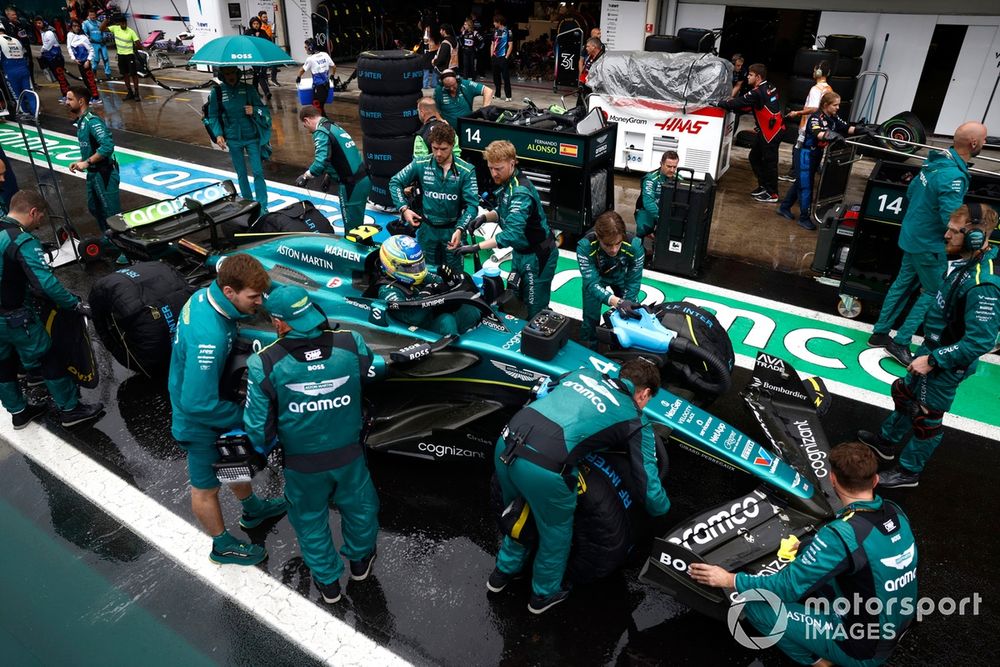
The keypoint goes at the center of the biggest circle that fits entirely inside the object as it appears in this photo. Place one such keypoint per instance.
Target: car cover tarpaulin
(675, 78)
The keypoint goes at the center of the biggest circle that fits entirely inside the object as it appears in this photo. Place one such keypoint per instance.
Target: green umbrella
(241, 50)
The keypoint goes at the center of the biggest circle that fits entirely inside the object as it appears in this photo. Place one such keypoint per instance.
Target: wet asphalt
(427, 599)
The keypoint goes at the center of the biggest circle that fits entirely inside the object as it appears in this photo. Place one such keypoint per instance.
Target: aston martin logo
(600, 388)
(317, 388)
(902, 561)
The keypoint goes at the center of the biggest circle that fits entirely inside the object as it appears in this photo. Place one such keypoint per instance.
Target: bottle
(492, 283)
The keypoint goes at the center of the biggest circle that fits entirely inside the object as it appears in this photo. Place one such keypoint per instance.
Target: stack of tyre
(390, 84)
(694, 40)
(850, 49)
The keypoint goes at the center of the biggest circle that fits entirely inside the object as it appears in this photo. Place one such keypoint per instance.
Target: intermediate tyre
(380, 190)
(385, 156)
(388, 115)
(390, 72)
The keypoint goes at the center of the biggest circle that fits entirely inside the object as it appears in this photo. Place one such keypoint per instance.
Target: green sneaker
(238, 553)
(271, 508)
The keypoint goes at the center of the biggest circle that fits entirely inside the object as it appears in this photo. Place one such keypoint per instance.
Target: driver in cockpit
(404, 277)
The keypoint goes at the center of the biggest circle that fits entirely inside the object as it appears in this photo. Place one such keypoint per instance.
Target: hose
(718, 380)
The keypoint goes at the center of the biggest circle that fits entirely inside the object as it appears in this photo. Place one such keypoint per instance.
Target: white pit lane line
(296, 618)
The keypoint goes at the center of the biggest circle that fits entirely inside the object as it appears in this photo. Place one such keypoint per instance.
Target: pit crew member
(338, 157)
(536, 458)
(202, 343)
(525, 229)
(866, 552)
(305, 391)
(450, 198)
(647, 206)
(610, 262)
(936, 192)
(961, 325)
(454, 96)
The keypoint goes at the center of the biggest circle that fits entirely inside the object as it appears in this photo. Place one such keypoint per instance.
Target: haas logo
(682, 125)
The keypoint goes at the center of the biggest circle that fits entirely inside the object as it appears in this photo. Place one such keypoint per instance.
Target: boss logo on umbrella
(240, 56)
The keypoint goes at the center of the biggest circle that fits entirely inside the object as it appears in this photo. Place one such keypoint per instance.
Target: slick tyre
(798, 89)
(390, 72)
(848, 67)
(848, 46)
(663, 44)
(843, 86)
(696, 40)
(386, 156)
(385, 116)
(807, 59)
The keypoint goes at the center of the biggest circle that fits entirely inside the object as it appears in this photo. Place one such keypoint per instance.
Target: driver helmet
(403, 260)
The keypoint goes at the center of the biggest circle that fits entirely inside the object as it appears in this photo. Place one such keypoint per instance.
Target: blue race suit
(98, 39)
(13, 61)
(809, 157)
(587, 412)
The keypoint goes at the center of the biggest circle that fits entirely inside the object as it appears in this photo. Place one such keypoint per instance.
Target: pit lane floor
(429, 604)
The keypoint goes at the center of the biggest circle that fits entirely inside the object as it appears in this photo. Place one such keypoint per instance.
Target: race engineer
(202, 343)
(536, 458)
(454, 96)
(525, 229)
(762, 101)
(449, 196)
(430, 117)
(647, 206)
(305, 391)
(936, 192)
(338, 157)
(97, 150)
(865, 557)
(241, 124)
(23, 272)
(610, 262)
(405, 278)
(961, 325)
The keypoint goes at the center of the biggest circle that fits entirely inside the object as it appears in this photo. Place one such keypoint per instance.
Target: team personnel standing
(24, 272)
(242, 124)
(202, 342)
(126, 42)
(610, 262)
(268, 29)
(500, 52)
(740, 74)
(97, 150)
(14, 61)
(51, 56)
(469, 42)
(449, 196)
(961, 325)
(762, 101)
(324, 460)
(92, 29)
(525, 229)
(321, 68)
(811, 106)
(932, 197)
(647, 206)
(405, 278)
(536, 458)
(81, 50)
(866, 554)
(454, 96)
(338, 157)
(429, 118)
(20, 29)
(824, 127)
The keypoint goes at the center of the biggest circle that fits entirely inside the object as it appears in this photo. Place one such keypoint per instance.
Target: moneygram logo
(739, 633)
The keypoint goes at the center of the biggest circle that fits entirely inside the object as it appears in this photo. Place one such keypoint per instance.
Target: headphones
(974, 238)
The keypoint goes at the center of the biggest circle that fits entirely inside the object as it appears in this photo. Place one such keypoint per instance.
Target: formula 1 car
(447, 398)
(746, 533)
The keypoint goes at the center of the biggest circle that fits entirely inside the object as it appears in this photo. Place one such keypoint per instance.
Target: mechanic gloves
(628, 309)
(467, 249)
(82, 308)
